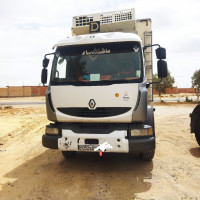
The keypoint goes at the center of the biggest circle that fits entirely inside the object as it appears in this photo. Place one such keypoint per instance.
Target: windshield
(98, 63)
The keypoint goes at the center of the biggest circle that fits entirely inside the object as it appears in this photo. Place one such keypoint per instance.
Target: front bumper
(142, 145)
(70, 141)
(50, 141)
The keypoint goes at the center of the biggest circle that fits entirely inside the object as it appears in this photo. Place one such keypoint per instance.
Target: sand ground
(28, 171)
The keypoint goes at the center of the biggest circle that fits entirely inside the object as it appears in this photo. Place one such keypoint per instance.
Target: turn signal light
(142, 132)
(51, 131)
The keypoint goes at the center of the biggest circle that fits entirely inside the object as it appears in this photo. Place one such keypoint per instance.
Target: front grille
(98, 112)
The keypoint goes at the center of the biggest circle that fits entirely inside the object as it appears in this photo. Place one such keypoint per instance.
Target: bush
(187, 99)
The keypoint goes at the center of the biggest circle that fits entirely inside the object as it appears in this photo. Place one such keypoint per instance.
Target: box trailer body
(99, 96)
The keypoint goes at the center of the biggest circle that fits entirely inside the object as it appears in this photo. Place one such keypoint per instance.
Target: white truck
(100, 95)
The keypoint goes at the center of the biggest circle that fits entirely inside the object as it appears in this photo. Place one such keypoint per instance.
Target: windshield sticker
(57, 54)
(96, 51)
(86, 77)
(93, 57)
(126, 96)
(94, 77)
(61, 60)
(136, 48)
(138, 73)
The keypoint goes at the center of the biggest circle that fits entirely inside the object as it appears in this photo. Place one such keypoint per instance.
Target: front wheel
(68, 154)
(197, 135)
(148, 156)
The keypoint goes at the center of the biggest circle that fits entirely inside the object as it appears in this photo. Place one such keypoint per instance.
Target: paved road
(21, 103)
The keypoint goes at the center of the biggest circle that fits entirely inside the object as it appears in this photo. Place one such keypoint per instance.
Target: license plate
(87, 147)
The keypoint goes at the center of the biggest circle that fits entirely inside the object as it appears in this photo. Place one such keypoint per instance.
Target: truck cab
(100, 95)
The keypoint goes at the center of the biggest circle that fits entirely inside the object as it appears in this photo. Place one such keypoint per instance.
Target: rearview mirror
(44, 76)
(45, 62)
(162, 69)
(161, 53)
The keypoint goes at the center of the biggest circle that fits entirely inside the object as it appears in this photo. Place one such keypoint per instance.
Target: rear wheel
(148, 156)
(68, 154)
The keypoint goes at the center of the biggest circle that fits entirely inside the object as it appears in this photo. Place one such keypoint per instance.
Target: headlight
(142, 132)
(51, 130)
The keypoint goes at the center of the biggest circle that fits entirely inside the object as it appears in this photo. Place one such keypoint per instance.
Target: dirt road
(28, 171)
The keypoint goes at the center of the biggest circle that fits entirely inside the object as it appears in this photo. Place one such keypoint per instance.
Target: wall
(3, 92)
(22, 91)
(31, 91)
(176, 90)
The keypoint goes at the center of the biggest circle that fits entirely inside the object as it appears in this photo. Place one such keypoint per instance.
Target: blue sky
(29, 29)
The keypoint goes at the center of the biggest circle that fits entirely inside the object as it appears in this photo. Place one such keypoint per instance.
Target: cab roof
(98, 38)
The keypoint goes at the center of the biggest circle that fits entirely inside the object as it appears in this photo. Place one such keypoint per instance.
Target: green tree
(164, 84)
(196, 82)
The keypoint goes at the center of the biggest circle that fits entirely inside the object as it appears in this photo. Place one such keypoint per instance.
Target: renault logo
(92, 103)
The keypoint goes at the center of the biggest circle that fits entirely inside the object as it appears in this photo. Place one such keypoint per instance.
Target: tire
(197, 135)
(148, 156)
(68, 154)
(195, 126)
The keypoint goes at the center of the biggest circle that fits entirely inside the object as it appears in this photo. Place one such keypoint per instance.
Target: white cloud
(30, 28)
